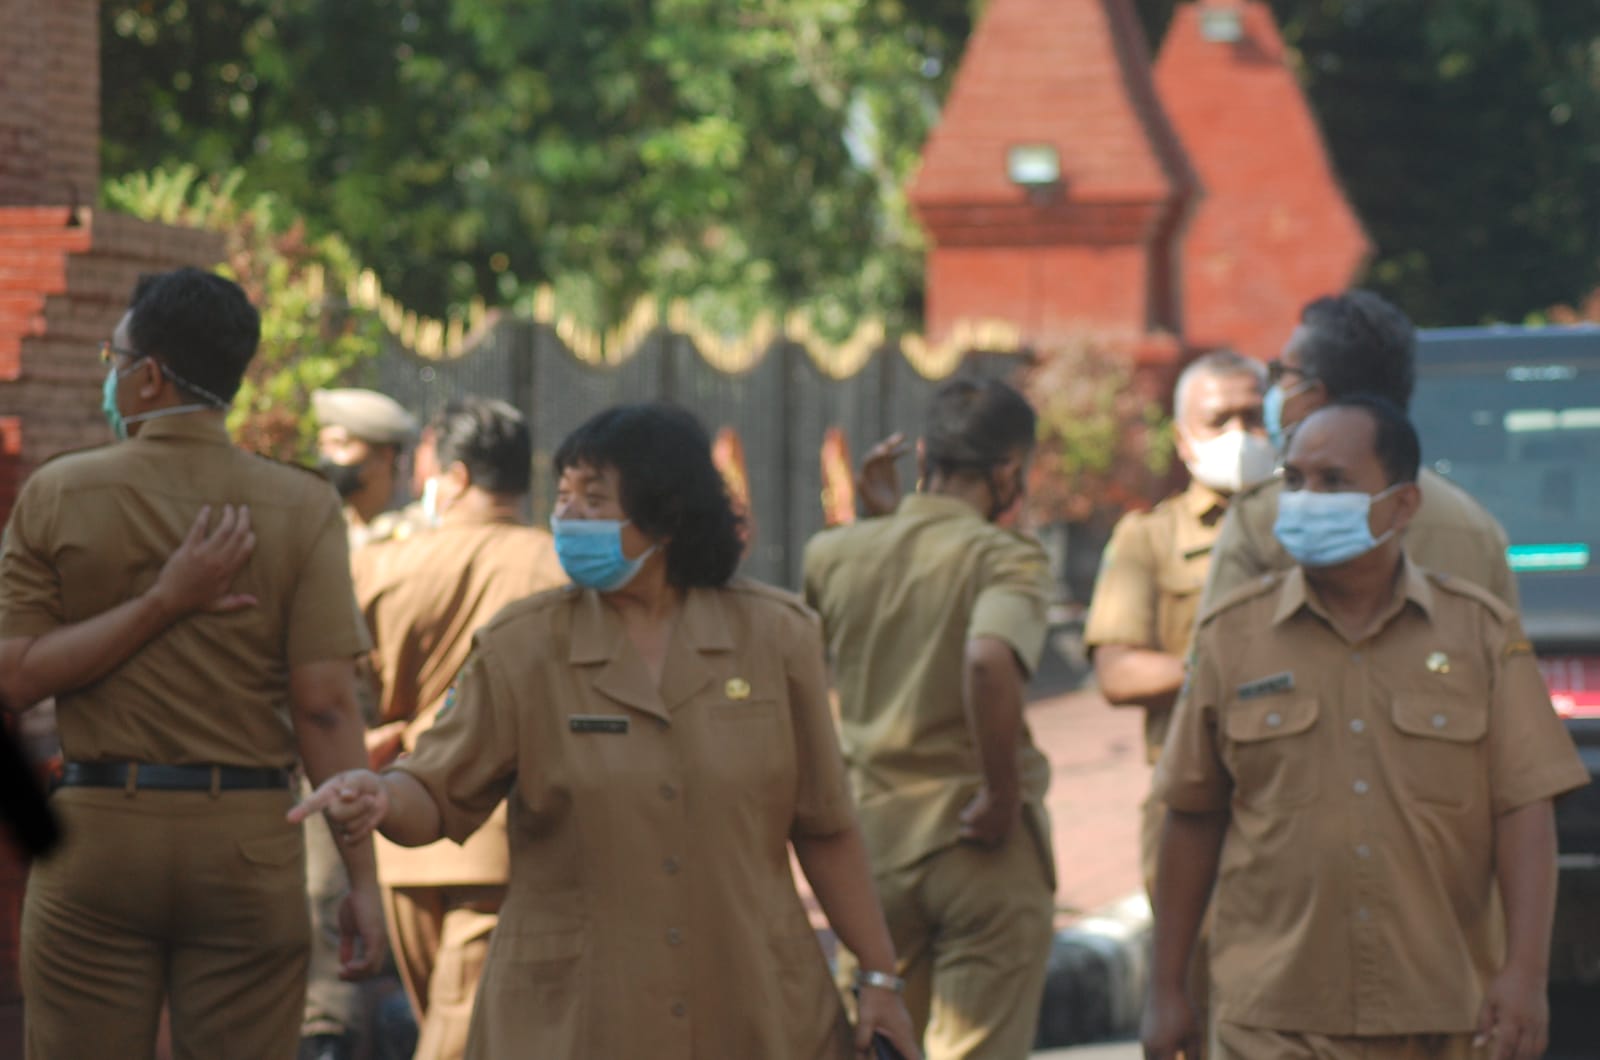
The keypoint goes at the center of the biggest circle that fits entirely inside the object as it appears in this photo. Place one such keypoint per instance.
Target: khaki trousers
(972, 929)
(332, 1006)
(187, 898)
(1230, 1041)
(440, 939)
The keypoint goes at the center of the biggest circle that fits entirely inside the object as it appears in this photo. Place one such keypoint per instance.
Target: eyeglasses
(109, 349)
(1276, 370)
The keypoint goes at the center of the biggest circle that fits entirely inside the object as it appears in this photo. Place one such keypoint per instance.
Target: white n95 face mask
(1232, 461)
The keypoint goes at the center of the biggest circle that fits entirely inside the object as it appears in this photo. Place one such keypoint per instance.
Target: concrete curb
(1095, 984)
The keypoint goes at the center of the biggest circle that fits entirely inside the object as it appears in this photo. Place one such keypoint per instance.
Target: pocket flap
(1440, 717)
(1271, 717)
(272, 850)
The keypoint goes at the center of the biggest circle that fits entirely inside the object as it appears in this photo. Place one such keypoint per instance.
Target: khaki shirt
(1362, 781)
(651, 909)
(1148, 592)
(1451, 533)
(423, 597)
(900, 596)
(93, 529)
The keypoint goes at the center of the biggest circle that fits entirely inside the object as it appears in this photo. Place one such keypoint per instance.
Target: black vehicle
(1512, 415)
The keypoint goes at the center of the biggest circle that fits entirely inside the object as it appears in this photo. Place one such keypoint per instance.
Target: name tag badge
(1266, 686)
(616, 724)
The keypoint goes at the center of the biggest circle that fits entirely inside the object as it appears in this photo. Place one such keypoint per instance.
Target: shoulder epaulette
(1458, 586)
(1251, 589)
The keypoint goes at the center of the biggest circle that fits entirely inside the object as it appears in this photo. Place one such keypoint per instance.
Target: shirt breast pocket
(1271, 752)
(1441, 744)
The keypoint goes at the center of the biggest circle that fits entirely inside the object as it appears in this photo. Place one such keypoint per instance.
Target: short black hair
(491, 438)
(1359, 342)
(670, 486)
(1399, 449)
(199, 327)
(974, 425)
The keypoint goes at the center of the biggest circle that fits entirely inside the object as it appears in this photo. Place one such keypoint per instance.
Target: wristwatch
(881, 980)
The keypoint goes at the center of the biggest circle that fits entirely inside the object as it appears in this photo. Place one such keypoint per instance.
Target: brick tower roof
(1272, 228)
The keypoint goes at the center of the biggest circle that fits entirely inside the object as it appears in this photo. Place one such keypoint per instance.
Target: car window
(1524, 439)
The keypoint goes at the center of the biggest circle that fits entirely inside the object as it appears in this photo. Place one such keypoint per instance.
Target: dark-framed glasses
(1276, 370)
(110, 350)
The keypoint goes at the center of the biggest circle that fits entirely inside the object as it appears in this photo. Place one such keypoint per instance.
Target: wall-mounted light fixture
(1221, 24)
(1033, 166)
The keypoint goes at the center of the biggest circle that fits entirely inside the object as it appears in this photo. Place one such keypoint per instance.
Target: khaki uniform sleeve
(30, 587)
(1237, 557)
(1531, 757)
(468, 760)
(1190, 775)
(324, 620)
(1123, 610)
(1013, 602)
(823, 805)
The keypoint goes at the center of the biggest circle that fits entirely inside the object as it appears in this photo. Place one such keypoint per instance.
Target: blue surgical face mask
(1272, 412)
(590, 551)
(108, 401)
(119, 423)
(1326, 529)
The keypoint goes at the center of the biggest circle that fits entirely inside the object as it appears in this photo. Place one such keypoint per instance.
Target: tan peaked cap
(367, 414)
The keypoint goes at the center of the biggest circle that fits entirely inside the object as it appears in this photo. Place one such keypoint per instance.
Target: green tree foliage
(615, 148)
(310, 336)
(752, 154)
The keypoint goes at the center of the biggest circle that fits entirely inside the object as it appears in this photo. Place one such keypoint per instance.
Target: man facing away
(1364, 757)
(190, 665)
(934, 617)
(423, 597)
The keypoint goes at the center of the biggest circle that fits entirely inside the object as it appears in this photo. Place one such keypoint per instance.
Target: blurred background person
(423, 597)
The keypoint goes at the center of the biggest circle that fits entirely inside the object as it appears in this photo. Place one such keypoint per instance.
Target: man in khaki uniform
(424, 597)
(1355, 343)
(361, 435)
(188, 669)
(1147, 596)
(934, 617)
(1364, 757)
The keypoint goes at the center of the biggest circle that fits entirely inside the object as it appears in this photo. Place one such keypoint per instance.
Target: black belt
(134, 775)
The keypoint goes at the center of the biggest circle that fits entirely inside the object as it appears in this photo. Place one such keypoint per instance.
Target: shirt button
(1363, 915)
(671, 866)
(674, 937)
(1360, 787)
(1358, 726)
(1438, 721)
(1274, 720)
(1363, 851)
(1355, 656)
(679, 1009)
(669, 792)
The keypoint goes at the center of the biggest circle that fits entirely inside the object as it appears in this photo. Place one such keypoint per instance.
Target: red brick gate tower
(66, 270)
(1053, 190)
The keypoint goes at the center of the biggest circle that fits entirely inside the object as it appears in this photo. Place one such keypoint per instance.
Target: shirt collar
(204, 427)
(1412, 587)
(1204, 503)
(936, 505)
(597, 630)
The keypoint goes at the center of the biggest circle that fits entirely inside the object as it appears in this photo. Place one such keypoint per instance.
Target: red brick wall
(49, 102)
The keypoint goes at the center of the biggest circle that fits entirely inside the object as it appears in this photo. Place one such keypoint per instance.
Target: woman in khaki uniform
(661, 734)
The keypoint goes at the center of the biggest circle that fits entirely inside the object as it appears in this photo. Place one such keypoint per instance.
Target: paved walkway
(1099, 779)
